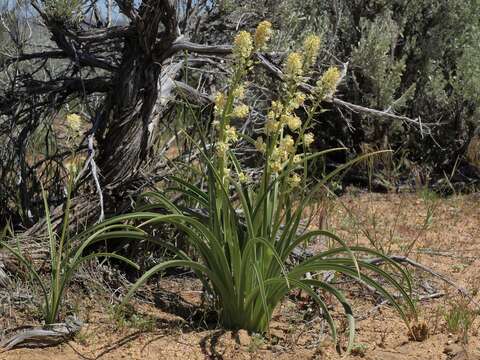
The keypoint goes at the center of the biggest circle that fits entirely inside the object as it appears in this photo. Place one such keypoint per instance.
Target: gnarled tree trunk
(126, 121)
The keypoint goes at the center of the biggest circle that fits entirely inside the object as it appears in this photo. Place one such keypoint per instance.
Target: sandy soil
(448, 242)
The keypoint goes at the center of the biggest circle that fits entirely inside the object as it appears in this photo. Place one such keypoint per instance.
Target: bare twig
(380, 113)
(274, 70)
(385, 302)
(184, 45)
(93, 167)
(404, 259)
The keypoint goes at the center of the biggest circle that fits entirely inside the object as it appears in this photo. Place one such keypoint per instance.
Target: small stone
(243, 338)
(277, 333)
(452, 349)
(276, 348)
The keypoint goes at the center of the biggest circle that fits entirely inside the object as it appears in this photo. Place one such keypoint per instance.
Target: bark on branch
(185, 45)
(274, 70)
(57, 54)
(87, 86)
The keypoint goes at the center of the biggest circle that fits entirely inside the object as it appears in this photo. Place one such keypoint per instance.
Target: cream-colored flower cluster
(263, 34)
(240, 111)
(293, 67)
(220, 102)
(229, 105)
(279, 147)
(228, 133)
(243, 46)
(286, 140)
(74, 122)
(327, 85)
(311, 47)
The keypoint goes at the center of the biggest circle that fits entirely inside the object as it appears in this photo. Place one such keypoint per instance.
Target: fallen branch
(192, 94)
(404, 259)
(48, 335)
(9, 264)
(385, 302)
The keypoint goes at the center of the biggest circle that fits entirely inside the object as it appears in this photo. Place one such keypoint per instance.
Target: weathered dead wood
(84, 208)
(192, 95)
(406, 260)
(385, 302)
(48, 335)
(4, 279)
(302, 254)
(9, 264)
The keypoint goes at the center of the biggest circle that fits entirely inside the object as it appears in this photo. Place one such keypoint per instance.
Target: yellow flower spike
(220, 101)
(74, 122)
(239, 92)
(277, 107)
(287, 144)
(311, 47)
(294, 122)
(243, 178)
(271, 115)
(260, 145)
(294, 65)
(240, 111)
(297, 159)
(284, 119)
(327, 85)
(243, 46)
(294, 180)
(272, 126)
(222, 148)
(299, 99)
(308, 139)
(231, 133)
(263, 34)
(275, 166)
(276, 153)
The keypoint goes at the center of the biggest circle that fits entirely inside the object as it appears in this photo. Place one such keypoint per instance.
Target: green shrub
(251, 227)
(415, 58)
(64, 10)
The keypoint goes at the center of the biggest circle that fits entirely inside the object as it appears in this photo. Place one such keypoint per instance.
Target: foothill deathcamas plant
(68, 251)
(252, 226)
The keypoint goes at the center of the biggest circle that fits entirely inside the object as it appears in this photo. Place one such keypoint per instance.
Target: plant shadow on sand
(197, 317)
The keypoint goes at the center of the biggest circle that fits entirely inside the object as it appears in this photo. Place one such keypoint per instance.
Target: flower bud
(262, 34)
(308, 139)
(311, 47)
(243, 46)
(294, 65)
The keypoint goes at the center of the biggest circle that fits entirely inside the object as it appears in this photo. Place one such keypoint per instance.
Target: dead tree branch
(406, 260)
